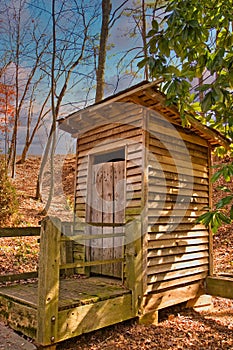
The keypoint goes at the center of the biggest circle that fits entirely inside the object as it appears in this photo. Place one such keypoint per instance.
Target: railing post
(67, 247)
(48, 281)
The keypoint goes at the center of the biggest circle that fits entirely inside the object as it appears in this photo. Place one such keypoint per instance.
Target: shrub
(8, 198)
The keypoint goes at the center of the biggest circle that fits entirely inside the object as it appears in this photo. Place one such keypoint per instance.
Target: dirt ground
(179, 328)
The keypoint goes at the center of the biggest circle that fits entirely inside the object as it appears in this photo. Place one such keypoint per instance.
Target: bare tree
(106, 9)
(140, 17)
(32, 129)
(26, 46)
(63, 66)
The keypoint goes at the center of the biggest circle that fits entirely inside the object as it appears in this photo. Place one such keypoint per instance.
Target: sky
(120, 40)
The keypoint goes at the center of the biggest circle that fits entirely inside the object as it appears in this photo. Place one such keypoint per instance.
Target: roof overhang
(144, 94)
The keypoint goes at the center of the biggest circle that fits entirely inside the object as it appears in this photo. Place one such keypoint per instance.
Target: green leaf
(226, 174)
(155, 25)
(142, 63)
(207, 102)
(224, 189)
(205, 218)
(217, 59)
(151, 33)
(173, 70)
(223, 202)
(224, 218)
(203, 87)
(164, 47)
(231, 212)
(214, 219)
(194, 23)
(216, 176)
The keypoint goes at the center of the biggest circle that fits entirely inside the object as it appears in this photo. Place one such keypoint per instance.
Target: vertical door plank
(96, 215)
(108, 209)
(119, 213)
(119, 192)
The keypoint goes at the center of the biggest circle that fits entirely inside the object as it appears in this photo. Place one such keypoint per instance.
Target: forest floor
(179, 327)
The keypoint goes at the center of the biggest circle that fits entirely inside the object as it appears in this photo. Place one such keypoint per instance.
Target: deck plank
(25, 294)
(73, 292)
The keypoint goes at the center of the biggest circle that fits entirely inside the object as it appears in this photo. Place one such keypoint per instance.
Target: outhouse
(142, 180)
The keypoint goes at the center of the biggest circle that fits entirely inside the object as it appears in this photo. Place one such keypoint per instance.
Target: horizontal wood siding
(178, 177)
(133, 143)
(107, 138)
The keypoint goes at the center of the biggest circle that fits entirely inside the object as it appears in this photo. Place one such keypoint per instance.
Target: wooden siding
(133, 172)
(107, 138)
(177, 247)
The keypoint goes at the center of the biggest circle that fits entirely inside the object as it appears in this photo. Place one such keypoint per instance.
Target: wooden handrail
(91, 263)
(88, 237)
(105, 224)
(19, 231)
(18, 276)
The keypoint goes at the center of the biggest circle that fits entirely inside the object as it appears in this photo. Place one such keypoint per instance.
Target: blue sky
(120, 40)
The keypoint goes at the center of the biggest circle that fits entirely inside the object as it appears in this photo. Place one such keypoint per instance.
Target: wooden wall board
(129, 135)
(174, 283)
(164, 142)
(86, 318)
(179, 294)
(177, 249)
(173, 275)
(175, 132)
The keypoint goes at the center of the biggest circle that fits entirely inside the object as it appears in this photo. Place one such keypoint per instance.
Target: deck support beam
(149, 318)
(220, 286)
(133, 253)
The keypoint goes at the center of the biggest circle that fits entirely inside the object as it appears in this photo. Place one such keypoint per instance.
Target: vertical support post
(211, 255)
(145, 189)
(67, 247)
(133, 254)
(48, 281)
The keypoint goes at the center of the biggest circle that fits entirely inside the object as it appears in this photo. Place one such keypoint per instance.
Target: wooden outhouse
(142, 180)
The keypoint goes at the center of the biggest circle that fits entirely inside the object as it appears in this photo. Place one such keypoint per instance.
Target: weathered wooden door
(107, 210)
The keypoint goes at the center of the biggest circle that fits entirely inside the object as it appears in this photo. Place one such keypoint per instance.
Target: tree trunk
(106, 9)
(144, 37)
(42, 165)
(12, 151)
(52, 135)
(24, 153)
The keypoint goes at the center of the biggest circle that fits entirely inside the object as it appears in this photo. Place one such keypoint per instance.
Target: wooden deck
(85, 304)
(73, 292)
(54, 308)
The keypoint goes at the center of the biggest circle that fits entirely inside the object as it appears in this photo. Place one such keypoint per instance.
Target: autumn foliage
(8, 198)
(7, 107)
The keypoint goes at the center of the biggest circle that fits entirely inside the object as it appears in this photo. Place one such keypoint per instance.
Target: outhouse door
(107, 215)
